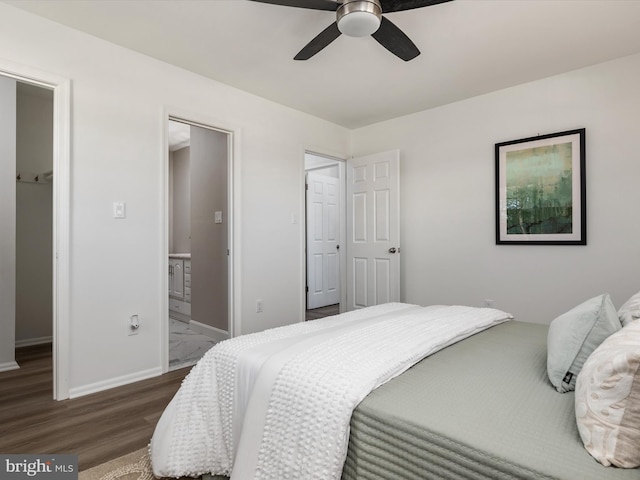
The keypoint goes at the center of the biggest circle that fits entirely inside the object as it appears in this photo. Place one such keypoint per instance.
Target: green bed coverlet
(480, 409)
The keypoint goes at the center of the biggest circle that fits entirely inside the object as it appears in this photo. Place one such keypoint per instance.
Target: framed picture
(540, 190)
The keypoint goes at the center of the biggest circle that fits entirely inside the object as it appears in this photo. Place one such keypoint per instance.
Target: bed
(475, 403)
(482, 408)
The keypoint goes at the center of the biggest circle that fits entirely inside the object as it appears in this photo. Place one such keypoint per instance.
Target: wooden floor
(97, 427)
(322, 312)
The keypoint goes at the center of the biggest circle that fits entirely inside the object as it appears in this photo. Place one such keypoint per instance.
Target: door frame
(61, 88)
(342, 162)
(233, 196)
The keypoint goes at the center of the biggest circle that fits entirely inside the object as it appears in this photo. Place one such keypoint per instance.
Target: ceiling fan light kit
(359, 18)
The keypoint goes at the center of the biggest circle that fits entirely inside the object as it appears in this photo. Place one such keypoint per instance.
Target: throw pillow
(608, 400)
(574, 335)
(630, 311)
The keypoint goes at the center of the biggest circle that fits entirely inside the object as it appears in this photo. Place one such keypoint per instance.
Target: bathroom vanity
(180, 286)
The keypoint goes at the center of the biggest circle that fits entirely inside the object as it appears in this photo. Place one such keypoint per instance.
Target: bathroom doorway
(199, 219)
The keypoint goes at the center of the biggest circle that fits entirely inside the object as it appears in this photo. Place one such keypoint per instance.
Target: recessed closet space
(198, 241)
(34, 215)
(26, 269)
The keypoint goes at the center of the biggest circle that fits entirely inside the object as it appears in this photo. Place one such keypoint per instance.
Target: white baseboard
(114, 382)
(217, 334)
(6, 366)
(27, 342)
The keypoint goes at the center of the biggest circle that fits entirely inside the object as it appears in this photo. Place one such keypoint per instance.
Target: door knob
(392, 250)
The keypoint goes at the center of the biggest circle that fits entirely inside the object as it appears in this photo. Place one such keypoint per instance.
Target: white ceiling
(469, 47)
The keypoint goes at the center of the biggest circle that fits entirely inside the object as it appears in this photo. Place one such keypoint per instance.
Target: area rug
(133, 466)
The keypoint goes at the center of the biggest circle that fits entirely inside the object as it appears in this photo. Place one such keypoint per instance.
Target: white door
(323, 230)
(373, 230)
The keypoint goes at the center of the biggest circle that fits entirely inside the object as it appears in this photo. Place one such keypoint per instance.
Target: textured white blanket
(277, 404)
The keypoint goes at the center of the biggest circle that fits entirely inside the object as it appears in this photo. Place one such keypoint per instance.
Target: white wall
(449, 254)
(8, 222)
(117, 144)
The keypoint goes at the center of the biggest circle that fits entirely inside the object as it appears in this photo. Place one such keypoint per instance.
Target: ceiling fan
(358, 18)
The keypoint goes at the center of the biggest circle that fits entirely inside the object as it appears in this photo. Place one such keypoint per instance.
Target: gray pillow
(574, 335)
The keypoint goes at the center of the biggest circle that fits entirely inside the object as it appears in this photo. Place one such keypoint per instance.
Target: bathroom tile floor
(186, 346)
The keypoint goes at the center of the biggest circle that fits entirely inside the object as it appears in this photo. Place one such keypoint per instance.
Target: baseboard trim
(6, 366)
(114, 382)
(28, 342)
(217, 334)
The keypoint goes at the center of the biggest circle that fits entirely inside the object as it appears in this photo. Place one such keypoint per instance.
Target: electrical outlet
(133, 325)
(259, 306)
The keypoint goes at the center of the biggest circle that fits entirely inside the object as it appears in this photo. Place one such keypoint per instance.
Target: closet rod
(28, 177)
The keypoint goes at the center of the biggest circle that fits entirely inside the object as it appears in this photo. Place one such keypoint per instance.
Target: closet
(26, 212)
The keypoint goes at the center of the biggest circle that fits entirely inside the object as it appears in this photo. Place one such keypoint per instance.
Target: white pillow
(574, 335)
(630, 311)
(608, 400)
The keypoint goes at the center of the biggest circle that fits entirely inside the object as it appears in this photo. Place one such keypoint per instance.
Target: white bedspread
(277, 404)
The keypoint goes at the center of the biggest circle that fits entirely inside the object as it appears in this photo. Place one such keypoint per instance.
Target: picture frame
(540, 190)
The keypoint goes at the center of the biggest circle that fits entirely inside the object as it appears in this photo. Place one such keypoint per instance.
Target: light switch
(119, 210)
(217, 217)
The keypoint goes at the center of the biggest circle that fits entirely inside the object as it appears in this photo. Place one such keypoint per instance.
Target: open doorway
(324, 179)
(198, 240)
(26, 270)
(34, 209)
(34, 216)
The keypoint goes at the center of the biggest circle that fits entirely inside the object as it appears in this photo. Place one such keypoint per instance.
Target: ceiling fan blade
(400, 5)
(323, 39)
(394, 40)
(312, 4)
